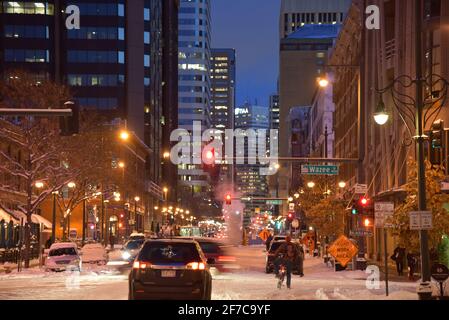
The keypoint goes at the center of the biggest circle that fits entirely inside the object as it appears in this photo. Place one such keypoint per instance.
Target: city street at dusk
(224, 158)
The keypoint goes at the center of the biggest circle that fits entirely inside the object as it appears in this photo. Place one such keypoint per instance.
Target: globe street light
(381, 116)
(71, 185)
(342, 184)
(311, 184)
(323, 82)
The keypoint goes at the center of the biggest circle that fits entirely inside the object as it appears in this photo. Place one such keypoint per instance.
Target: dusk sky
(250, 27)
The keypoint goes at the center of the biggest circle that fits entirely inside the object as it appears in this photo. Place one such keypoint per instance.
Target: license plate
(168, 274)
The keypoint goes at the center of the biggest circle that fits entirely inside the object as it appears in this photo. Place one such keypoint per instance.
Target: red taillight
(196, 266)
(140, 265)
(226, 259)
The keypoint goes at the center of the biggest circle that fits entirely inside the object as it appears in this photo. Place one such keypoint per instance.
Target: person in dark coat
(412, 260)
(112, 241)
(398, 257)
(268, 241)
(290, 254)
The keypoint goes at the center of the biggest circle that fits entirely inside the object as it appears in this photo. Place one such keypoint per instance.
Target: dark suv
(170, 269)
(269, 267)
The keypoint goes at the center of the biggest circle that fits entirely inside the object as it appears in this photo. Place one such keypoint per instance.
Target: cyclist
(290, 254)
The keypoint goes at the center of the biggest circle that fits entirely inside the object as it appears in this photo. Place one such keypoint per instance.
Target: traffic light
(368, 222)
(209, 156)
(228, 199)
(290, 217)
(355, 210)
(69, 126)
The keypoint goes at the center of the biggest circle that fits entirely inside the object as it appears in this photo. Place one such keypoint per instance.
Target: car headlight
(126, 255)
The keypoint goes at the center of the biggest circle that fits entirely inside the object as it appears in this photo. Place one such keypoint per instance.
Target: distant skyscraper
(296, 13)
(274, 111)
(223, 88)
(248, 180)
(194, 63)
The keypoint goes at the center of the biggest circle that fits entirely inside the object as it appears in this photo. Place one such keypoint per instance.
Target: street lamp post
(417, 111)
(53, 221)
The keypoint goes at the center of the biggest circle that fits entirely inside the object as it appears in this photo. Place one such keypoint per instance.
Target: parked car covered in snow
(94, 253)
(63, 256)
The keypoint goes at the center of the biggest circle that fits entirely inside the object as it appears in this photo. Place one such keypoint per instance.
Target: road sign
(295, 223)
(264, 234)
(343, 250)
(361, 233)
(361, 188)
(274, 202)
(319, 170)
(421, 220)
(382, 212)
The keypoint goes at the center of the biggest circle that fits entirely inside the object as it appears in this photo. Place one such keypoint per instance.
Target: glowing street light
(124, 135)
(121, 164)
(311, 184)
(342, 184)
(71, 185)
(136, 198)
(323, 82)
(296, 195)
(166, 155)
(39, 184)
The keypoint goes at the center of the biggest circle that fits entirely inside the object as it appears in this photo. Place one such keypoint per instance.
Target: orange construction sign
(264, 234)
(343, 250)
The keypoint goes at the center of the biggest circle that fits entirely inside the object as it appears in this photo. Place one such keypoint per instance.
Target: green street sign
(319, 170)
(274, 202)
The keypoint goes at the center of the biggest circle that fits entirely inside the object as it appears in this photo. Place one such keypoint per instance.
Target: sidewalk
(392, 273)
(13, 266)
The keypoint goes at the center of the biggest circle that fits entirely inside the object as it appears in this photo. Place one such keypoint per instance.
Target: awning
(7, 217)
(35, 218)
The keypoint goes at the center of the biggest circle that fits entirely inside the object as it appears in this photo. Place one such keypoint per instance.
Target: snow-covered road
(250, 282)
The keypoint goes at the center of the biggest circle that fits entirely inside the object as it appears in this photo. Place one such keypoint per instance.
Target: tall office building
(120, 63)
(194, 86)
(104, 62)
(223, 88)
(297, 13)
(274, 111)
(161, 114)
(248, 180)
(194, 63)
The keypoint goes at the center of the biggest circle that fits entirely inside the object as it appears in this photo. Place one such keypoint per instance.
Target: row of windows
(191, 89)
(18, 55)
(192, 33)
(21, 7)
(192, 66)
(192, 77)
(100, 9)
(192, 10)
(193, 44)
(19, 31)
(97, 33)
(192, 22)
(192, 100)
(192, 55)
(90, 56)
(99, 103)
(100, 80)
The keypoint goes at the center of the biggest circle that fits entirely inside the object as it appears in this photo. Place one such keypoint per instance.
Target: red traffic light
(228, 199)
(210, 154)
(364, 201)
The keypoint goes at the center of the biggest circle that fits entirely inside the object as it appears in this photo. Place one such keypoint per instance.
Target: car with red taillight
(170, 270)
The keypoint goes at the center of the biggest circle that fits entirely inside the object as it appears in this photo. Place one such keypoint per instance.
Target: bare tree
(33, 157)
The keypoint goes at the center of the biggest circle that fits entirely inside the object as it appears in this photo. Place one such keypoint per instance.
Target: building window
(20, 7)
(17, 55)
(121, 33)
(31, 32)
(146, 37)
(146, 14)
(146, 60)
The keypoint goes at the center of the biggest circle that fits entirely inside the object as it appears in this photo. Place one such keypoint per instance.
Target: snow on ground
(250, 282)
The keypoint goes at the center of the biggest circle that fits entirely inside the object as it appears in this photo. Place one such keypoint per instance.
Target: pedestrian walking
(411, 262)
(268, 241)
(111, 241)
(398, 257)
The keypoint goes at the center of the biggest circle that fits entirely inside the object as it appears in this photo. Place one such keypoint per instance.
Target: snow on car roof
(63, 245)
(137, 235)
